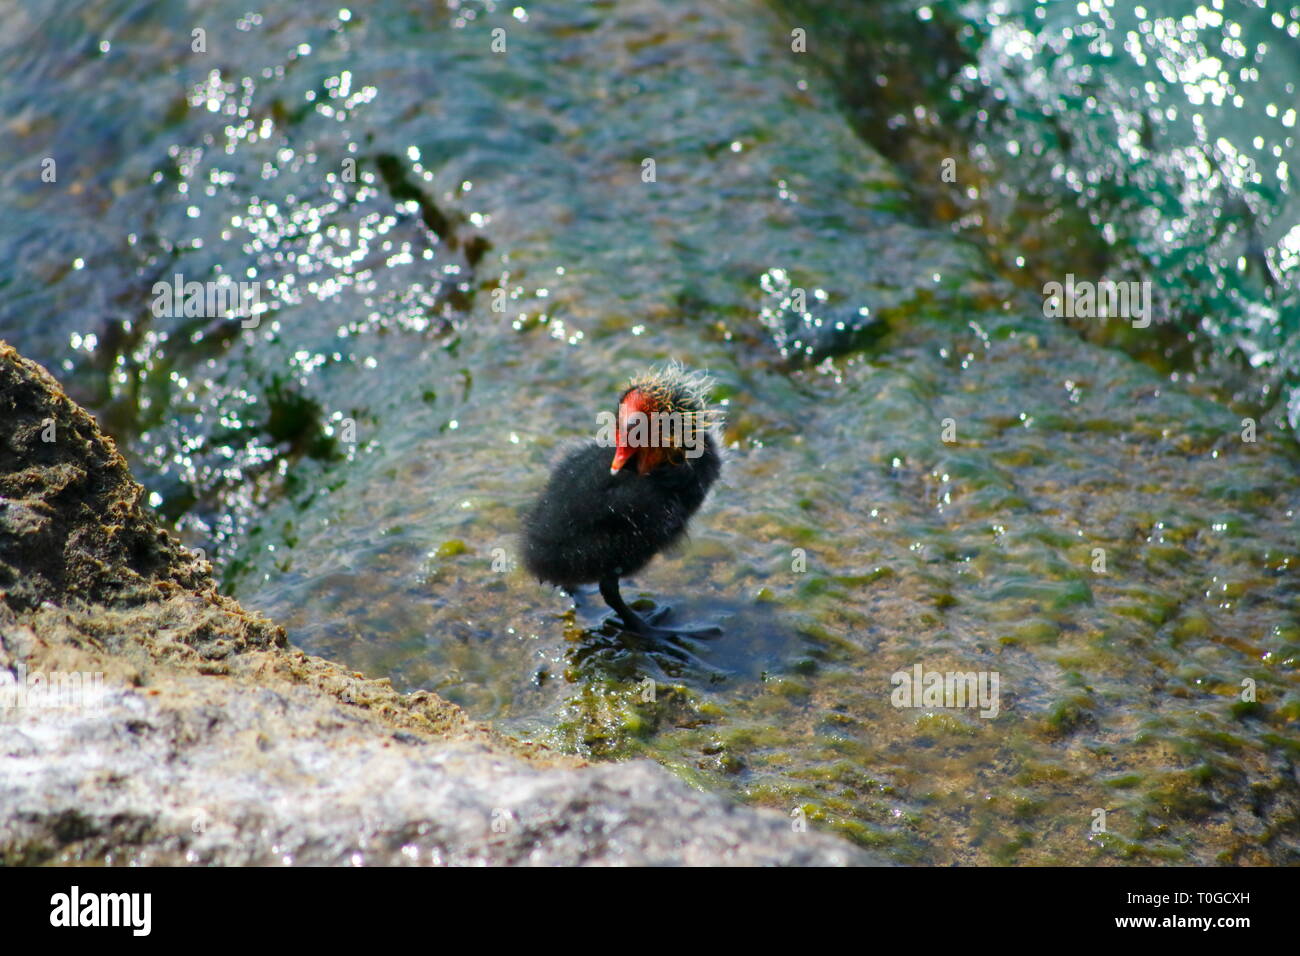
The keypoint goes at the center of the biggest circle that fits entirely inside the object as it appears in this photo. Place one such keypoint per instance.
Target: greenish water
(356, 463)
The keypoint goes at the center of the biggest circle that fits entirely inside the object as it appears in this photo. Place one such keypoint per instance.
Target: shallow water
(356, 462)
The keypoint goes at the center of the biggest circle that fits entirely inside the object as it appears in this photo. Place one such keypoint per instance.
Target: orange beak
(632, 403)
(621, 456)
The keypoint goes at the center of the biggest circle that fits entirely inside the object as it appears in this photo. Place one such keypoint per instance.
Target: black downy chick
(600, 519)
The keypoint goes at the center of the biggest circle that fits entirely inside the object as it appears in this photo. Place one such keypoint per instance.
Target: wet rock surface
(204, 738)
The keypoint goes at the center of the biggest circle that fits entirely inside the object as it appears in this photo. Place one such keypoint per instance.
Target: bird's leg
(637, 624)
(609, 591)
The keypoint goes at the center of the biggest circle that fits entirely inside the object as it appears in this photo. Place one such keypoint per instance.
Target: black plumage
(588, 524)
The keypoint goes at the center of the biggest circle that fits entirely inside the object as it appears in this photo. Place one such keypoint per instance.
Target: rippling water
(460, 262)
(1150, 142)
(1175, 126)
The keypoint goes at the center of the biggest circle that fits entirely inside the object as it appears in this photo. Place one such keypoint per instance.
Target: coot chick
(606, 511)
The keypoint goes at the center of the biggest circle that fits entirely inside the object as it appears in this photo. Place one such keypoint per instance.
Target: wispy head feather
(675, 388)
